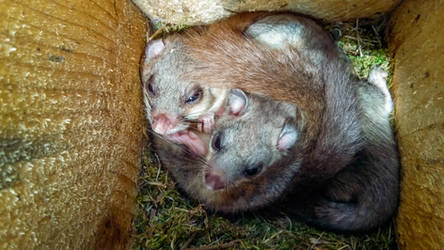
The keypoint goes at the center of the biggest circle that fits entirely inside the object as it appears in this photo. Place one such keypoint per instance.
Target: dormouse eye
(150, 85)
(194, 97)
(254, 170)
(151, 89)
(216, 142)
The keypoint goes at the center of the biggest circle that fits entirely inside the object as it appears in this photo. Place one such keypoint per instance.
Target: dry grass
(363, 44)
(167, 219)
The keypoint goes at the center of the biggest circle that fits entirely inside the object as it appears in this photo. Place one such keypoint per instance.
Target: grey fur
(252, 133)
(168, 83)
(281, 31)
(361, 195)
(364, 193)
(343, 172)
(166, 72)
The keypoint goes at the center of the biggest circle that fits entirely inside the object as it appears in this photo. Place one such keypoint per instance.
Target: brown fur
(345, 159)
(226, 58)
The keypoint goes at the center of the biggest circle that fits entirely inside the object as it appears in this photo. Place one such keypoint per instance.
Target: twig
(359, 38)
(219, 246)
(343, 247)
(316, 241)
(160, 30)
(160, 166)
(156, 184)
(377, 36)
(182, 209)
(273, 236)
(187, 243)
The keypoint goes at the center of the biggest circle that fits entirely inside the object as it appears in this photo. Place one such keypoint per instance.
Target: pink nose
(214, 181)
(162, 123)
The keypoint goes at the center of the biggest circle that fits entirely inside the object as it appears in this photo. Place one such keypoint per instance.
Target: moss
(362, 43)
(161, 29)
(167, 219)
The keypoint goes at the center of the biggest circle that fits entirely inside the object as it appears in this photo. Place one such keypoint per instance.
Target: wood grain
(417, 43)
(71, 122)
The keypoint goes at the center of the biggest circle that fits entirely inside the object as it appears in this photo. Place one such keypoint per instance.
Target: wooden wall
(71, 122)
(417, 41)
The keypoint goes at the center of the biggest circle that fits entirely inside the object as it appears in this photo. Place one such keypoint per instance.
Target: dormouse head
(171, 101)
(247, 142)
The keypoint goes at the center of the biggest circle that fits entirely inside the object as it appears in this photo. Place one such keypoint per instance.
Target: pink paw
(189, 139)
(207, 123)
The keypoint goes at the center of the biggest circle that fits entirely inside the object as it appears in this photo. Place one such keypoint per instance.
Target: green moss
(162, 29)
(362, 43)
(167, 219)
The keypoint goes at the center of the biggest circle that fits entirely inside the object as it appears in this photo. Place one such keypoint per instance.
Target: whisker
(191, 121)
(192, 161)
(151, 132)
(197, 161)
(186, 151)
(195, 129)
(145, 98)
(193, 124)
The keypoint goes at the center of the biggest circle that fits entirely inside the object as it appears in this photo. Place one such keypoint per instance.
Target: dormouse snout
(214, 180)
(163, 123)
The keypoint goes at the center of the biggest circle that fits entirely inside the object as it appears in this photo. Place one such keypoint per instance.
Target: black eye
(196, 95)
(150, 85)
(151, 89)
(252, 171)
(216, 142)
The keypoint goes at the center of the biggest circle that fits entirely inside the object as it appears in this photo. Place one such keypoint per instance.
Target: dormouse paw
(207, 123)
(190, 140)
(377, 77)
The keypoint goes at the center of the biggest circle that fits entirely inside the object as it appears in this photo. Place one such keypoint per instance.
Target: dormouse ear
(237, 101)
(154, 48)
(287, 138)
(277, 31)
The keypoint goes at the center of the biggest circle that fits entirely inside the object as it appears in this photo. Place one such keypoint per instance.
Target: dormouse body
(172, 103)
(190, 93)
(258, 152)
(332, 135)
(248, 51)
(238, 178)
(291, 59)
(284, 56)
(250, 149)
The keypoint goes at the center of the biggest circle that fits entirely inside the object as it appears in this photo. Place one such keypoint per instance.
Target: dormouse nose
(162, 123)
(214, 181)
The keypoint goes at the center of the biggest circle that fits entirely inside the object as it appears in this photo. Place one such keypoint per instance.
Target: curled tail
(365, 193)
(362, 196)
